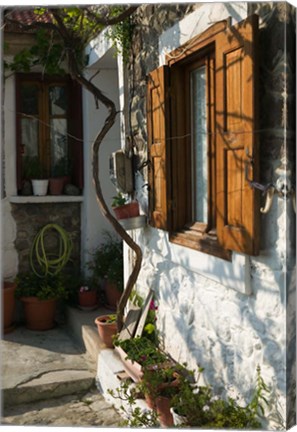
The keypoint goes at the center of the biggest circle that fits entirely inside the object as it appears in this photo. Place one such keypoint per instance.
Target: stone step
(49, 385)
(82, 328)
(38, 365)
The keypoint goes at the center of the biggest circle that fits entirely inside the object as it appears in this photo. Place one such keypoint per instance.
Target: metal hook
(269, 199)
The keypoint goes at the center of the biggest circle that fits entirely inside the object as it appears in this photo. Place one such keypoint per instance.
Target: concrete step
(49, 385)
(82, 328)
(40, 365)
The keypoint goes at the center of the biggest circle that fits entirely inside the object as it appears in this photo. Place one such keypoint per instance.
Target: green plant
(110, 319)
(135, 417)
(107, 262)
(32, 168)
(118, 200)
(121, 35)
(62, 167)
(44, 288)
(142, 350)
(201, 408)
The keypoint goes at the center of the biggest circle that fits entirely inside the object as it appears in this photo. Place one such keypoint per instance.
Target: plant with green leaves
(60, 40)
(118, 200)
(107, 262)
(44, 288)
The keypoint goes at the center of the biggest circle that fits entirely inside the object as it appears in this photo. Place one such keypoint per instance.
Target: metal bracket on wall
(282, 188)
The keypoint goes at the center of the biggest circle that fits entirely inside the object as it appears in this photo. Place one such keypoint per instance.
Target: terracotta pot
(8, 306)
(39, 314)
(106, 330)
(163, 410)
(127, 210)
(87, 298)
(113, 295)
(56, 185)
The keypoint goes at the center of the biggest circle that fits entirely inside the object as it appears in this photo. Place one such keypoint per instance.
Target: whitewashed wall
(225, 317)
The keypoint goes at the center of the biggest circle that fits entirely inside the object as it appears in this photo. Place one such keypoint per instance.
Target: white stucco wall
(102, 59)
(226, 317)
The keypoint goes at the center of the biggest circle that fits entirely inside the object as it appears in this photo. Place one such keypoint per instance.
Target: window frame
(183, 230)
(236, 204)
(74, 123)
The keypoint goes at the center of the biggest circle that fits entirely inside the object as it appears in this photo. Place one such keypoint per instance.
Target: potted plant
(60, 176)
(124, 209)
(8, 305)
(33, 171)
(107, 269)
(107, 328)
(87, 297)
(39, 296)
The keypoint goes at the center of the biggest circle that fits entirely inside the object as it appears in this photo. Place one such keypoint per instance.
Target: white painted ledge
(31, 199)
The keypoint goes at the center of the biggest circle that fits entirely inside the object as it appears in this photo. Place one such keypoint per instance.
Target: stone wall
(30, 218)
(207, 322)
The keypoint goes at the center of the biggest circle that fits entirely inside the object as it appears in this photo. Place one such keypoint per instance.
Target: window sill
(31, 199)
(202, 243)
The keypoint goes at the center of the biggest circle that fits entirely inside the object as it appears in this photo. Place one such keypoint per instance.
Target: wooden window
(201, 132)
(49, 127)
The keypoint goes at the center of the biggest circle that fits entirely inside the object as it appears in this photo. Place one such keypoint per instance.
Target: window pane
(30, 136)
(59, 147)
(199, 145)
(29, 99)
(57, 100)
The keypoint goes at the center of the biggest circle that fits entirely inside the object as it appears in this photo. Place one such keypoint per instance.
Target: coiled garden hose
(49, 263)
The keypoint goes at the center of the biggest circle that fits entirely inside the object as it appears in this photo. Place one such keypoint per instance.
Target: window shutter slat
(76, 134)
(157, 112)
(237, 202)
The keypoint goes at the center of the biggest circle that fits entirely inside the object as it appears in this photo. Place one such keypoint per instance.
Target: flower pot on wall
(40, 187)
(107, 328)
(8, 306)
(39, 314)
(127, 210)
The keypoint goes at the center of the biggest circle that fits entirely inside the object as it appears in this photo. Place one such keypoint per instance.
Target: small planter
(125, 211)
(163, 410)
(87, 299)
(8, 306)
(40, 187)
(113, 295)
(106, 329)
(133, 369)
(39, 314)
(56, 185)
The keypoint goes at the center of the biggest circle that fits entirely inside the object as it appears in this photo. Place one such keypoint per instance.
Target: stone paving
(46, 379)
(89, 409)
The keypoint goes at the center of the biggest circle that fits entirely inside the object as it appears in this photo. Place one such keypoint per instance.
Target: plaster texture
(227, 317)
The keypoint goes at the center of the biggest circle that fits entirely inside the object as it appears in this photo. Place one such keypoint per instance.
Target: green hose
(50, 264)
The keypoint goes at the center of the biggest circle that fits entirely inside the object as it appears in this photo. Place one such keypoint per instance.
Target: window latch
(281, 188)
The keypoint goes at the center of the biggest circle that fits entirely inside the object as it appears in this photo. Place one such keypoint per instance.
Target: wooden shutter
(157, 126)
(236, 72)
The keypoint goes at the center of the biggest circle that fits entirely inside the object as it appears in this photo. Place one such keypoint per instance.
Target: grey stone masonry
(30, 218)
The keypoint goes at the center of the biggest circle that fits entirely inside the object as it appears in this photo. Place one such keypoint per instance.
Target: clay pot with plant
(60, 176)
(87, 297)
(107, 328)
(124, 209)
(39, 296)
(33, 170)
(107, 269)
